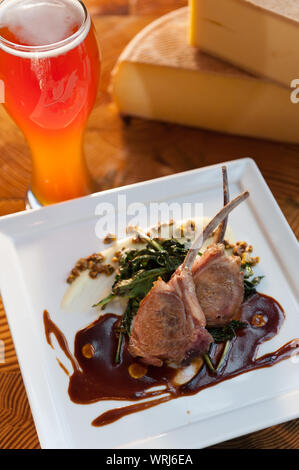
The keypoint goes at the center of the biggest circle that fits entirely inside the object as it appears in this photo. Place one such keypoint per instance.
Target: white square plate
(38, 248)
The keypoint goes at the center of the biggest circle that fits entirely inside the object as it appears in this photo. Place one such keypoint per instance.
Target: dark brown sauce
(50, 327)
(62, 366)
(99, 378)
(117, 413)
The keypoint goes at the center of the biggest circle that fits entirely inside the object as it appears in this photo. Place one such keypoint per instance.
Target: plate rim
(45, 216)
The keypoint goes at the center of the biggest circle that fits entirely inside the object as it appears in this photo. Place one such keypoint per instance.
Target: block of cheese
(260, 36)
(160, 76)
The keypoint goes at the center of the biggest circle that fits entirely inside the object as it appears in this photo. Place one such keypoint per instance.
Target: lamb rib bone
(210, 227)
(221, 229)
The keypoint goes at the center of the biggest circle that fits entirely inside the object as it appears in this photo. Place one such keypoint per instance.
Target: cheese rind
(260, 36)
(159, 76)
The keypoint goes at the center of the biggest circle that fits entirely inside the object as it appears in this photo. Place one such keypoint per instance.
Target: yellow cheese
(260, 36)
(159, 76)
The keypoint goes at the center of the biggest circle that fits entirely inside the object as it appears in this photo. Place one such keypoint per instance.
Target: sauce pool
(97, 377)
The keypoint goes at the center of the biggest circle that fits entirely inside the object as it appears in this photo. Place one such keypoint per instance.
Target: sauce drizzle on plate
(98, 378)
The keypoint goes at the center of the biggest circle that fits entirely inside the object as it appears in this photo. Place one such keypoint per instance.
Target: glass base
(31, 201)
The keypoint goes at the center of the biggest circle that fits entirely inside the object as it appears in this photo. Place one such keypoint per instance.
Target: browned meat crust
(219, 285)
(170, 323)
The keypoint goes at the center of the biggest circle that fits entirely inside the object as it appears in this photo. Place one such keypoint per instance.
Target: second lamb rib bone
(210, 227)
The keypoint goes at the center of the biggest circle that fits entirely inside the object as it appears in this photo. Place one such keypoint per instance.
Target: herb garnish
(208, 360)
(250, 282)
(226, 332)
(220, 335)
(138, 270)
(125, 324)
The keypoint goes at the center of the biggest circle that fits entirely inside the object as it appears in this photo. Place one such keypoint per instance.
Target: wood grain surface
(121, 153)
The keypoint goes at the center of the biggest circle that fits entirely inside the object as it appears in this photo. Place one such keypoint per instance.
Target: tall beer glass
(49, 64)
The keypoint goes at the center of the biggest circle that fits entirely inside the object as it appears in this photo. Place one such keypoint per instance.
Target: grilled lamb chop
(219, 285)
(218, 278)
(170, 324)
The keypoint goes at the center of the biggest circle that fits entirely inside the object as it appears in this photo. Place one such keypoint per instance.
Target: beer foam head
(41, 23)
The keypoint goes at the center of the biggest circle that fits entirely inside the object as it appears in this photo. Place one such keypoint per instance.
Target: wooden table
(118, 154)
